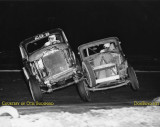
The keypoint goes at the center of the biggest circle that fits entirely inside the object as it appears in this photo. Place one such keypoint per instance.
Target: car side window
(85, 53)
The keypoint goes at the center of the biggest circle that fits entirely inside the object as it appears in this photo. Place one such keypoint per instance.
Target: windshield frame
(39, 36)
(83, 47)
(39, 43)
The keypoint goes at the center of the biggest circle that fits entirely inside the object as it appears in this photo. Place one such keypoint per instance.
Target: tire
(83, 92)
(89, 73)
(133, 78)
(35, 89)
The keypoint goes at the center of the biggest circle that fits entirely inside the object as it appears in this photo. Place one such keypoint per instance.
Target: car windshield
(40, 43)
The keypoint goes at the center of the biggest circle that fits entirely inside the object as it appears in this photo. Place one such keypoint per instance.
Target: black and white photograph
(79, 63)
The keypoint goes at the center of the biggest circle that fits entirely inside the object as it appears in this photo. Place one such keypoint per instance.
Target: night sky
(135, 23)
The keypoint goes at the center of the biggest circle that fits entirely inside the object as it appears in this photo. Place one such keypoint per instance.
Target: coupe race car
(49, 63)
(105, 67)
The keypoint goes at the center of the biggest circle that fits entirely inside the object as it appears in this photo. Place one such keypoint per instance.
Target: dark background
(135, 23)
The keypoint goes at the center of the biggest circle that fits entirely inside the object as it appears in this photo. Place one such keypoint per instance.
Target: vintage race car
(105, 67)
(49, 63)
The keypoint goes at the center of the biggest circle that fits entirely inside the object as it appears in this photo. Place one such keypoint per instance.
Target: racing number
(41, 36)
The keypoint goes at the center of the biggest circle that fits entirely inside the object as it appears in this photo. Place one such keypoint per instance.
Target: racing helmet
(107, 45)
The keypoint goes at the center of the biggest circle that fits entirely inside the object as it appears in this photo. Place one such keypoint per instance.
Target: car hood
(38, 54)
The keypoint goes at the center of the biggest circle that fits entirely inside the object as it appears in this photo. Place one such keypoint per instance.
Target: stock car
(49, 66)
(105, 67)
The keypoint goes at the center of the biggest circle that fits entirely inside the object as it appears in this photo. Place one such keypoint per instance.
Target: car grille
(55, 63)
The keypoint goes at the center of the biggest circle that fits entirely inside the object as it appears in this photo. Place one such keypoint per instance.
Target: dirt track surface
(14, 89)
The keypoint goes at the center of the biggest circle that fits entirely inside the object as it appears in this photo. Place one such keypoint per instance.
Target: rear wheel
(83, 91)
(35, 89)
(133, 78)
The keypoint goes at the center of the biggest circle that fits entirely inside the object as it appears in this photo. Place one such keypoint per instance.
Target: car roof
(98, 42)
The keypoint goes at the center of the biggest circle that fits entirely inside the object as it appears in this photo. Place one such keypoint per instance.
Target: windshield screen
(38, 44)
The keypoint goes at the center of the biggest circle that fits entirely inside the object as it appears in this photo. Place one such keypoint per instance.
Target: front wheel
(89, 73)
(35, 89)
(83, 91)
(133, 78)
